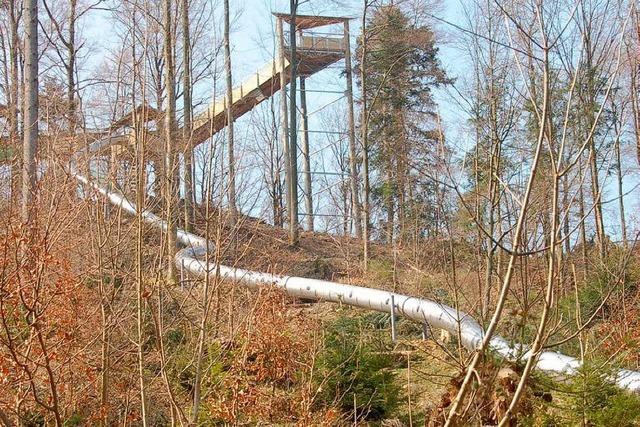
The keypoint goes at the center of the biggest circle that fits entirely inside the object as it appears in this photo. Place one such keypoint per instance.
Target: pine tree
(402, 70)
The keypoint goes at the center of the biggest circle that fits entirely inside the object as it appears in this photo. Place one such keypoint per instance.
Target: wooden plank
(258, 88)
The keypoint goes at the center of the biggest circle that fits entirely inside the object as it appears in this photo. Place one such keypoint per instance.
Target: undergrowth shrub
(623, 333)
(616, 276)
(46, 335)
(609, 297)
(356, 369)
(380, 272)
(266, 377)
(592, 399)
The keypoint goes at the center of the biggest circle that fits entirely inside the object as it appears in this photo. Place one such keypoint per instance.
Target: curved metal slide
(425, 311)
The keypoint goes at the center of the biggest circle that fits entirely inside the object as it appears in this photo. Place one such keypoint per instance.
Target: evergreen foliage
(357, 374)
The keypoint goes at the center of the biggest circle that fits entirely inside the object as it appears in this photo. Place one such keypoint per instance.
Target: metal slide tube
(423, 311)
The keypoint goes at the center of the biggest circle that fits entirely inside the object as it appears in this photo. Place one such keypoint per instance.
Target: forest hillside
(319, 212)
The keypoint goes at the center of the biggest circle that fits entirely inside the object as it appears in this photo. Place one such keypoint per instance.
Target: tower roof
(304, 22)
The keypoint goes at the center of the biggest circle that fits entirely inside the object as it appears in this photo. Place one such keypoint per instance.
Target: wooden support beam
(306, 159)
(353, 160)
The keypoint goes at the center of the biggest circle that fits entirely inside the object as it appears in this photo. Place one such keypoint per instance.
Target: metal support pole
(426, 331)
(284, 132)
(353, 161)
(182, 274)
(393, 319)
(292, 183)
(306, 158)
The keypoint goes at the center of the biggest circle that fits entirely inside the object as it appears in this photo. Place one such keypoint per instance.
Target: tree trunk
(635, 92)
(229, 110)
(618, 165)
(14, 98)
(140, 288)
(364, 130)
(293, 129)
(581, 215)
(170, 126)
(635, 105)
(597, 198)
(566, 208)
(30, 112)
(593, 155)
(389, 201)
(275, 168)
(495, 154)
(71, 68)
(189, 200)
(158, 161)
